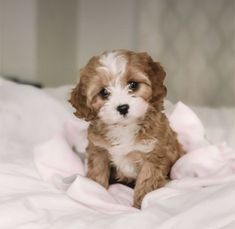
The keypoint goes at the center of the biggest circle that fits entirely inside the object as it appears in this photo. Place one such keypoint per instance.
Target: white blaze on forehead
(114, 62)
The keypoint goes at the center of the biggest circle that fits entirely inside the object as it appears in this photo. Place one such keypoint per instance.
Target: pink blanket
(205, 164)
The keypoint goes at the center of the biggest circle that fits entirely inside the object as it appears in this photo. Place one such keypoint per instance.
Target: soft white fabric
(29, 116)
(216, 163)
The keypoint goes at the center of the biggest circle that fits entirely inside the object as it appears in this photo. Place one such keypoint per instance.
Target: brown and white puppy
(121, 94)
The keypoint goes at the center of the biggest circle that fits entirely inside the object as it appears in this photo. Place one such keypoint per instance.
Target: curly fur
(149, 147)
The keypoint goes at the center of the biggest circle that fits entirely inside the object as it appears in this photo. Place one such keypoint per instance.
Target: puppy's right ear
(78, 99)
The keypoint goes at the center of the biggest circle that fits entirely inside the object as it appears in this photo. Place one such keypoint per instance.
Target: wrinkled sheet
(205, 163)
(29, 117)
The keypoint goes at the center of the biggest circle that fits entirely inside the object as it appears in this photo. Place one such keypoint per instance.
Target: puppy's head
(118, 87)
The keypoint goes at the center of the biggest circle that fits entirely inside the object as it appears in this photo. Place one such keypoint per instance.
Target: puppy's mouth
(124, 116)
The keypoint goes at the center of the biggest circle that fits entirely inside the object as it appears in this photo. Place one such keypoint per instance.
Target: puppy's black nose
(123, 109)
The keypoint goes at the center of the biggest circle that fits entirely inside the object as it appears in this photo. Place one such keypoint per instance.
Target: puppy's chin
(110, 116)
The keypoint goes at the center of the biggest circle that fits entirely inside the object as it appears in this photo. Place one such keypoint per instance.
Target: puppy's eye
(133, 86)
(104, 93)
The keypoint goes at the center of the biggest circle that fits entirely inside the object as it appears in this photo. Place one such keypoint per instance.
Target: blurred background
(47, 41)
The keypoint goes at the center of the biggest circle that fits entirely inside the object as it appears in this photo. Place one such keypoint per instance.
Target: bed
(31, 116)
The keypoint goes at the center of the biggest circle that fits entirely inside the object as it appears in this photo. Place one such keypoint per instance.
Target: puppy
(121, 93)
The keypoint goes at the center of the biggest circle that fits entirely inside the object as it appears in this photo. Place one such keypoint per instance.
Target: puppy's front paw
(137, 204)
(100, 180)
(137, 200)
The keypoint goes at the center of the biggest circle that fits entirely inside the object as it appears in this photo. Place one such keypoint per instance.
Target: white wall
(195, 42)
(38, 40)
(49, 40)
(57, 41)
(106, 25)
(1, 22)
(18, 38)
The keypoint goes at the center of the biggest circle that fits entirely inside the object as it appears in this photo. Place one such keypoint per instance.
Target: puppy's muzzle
(123, 109)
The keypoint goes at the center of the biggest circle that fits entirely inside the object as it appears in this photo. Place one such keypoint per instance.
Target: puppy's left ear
(157, 75)
(78, 99)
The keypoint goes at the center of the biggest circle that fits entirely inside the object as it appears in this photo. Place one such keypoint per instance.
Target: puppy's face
(118, 87)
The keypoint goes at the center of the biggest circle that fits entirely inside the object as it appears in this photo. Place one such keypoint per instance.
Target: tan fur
(152, 168)
(98, 164)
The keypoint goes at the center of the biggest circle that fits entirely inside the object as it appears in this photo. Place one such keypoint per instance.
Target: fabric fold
(60, 161)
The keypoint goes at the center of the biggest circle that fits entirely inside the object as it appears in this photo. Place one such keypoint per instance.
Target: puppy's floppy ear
(157, 75)
(78, 100)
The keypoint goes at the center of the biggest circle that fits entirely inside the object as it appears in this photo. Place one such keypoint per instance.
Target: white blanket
(204, 164)
(29, 116)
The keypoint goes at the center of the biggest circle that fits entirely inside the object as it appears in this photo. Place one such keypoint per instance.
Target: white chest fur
(123, 141)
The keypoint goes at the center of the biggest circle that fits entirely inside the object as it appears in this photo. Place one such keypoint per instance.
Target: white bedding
(29, 116)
